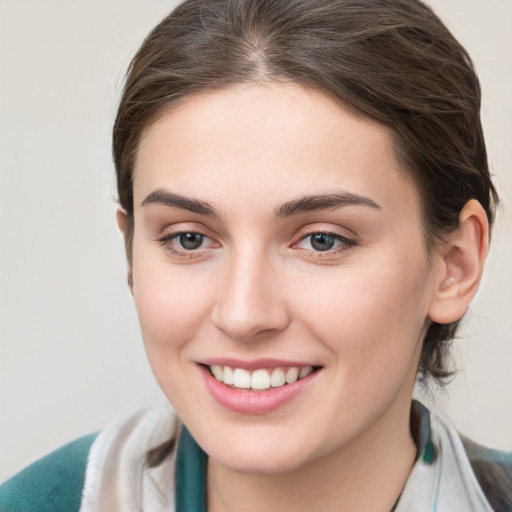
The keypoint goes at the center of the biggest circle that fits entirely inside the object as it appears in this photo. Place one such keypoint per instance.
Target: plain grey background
(71, 357)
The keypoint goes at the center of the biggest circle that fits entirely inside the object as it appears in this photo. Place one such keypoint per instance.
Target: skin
(257, 288)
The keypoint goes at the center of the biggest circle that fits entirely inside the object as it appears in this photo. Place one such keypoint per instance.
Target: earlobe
(461, 262)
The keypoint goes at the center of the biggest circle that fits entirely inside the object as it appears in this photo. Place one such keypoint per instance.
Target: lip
(254, 364)
(254, 402)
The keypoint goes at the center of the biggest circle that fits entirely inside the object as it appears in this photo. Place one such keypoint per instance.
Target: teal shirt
(51, 484)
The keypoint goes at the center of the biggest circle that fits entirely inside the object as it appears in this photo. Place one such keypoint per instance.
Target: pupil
(191, 240)
(322, 242)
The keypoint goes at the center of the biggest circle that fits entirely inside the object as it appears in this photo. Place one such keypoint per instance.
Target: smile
(259, 379)
(257, 387)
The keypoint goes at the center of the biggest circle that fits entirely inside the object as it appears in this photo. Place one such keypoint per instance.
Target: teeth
(259, 379)
(241, 379)
(304, 372)
(228, 376)
(277, 379)
(217, 371)
(292, 374)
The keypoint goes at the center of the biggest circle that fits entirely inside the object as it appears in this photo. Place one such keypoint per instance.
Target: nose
(250, 303)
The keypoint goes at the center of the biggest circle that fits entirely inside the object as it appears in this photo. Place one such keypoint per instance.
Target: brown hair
(392, 60)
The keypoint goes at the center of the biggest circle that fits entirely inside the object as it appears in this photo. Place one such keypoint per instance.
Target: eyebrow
(324, 202)
(297, 206)
(176, 201)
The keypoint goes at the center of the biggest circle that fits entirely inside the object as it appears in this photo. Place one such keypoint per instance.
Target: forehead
(268, 140)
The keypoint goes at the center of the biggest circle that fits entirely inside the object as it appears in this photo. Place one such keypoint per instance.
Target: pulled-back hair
(392, 60)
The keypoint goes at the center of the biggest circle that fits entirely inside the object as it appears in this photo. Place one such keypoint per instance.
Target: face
(279, 273)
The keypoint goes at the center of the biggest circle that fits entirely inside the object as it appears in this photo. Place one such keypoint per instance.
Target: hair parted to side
(392, 60)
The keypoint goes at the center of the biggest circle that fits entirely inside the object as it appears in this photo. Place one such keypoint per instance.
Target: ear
(122, 220)
(460, 265)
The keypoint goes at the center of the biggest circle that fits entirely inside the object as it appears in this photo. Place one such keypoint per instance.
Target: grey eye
(191, 241)
(322, 242)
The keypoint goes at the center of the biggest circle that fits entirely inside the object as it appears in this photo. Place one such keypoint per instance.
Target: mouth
(257, 387)
(259, 379)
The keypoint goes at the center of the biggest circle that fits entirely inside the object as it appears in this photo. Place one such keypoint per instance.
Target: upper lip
(254, 364)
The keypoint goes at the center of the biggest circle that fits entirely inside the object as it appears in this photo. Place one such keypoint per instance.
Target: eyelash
(167, 242)
(345, 243)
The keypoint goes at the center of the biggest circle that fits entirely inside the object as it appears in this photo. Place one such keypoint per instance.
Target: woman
(306, 202)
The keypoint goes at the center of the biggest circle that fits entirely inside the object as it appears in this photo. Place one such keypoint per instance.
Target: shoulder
(54, 483)
(91, 473)
(479, 476)
(493, 470)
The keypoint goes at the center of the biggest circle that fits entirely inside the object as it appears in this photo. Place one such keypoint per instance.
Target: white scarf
(118, 479)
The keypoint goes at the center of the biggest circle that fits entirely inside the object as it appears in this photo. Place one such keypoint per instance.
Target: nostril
(247, 322)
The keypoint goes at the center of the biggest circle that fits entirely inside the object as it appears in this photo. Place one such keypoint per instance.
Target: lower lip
(254, 402)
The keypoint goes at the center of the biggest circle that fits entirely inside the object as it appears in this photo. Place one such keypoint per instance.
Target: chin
(263, 463)
(266, 451)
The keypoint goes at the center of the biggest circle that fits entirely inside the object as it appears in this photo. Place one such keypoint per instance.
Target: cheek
(172, 302)
(171, 313)
(372, 319)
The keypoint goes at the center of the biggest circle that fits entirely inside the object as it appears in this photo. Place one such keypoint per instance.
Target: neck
(367, 475)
